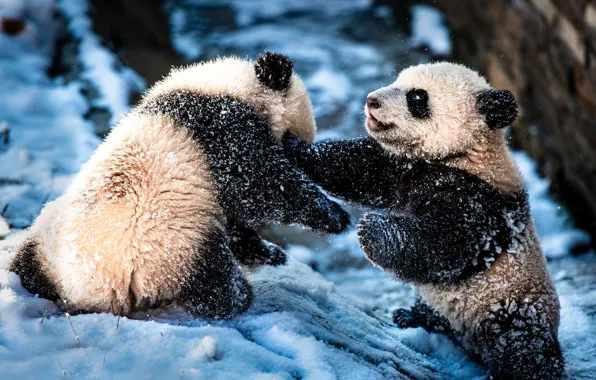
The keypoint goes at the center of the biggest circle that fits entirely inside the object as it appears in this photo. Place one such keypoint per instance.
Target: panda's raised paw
(339, 220)
(326, 217)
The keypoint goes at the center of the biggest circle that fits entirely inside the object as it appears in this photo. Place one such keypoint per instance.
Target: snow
(428, 29)
(37, 169)
(4, 228)
(298, 326)
(334, 322)
(250, 12)
(183, 43)
(557, 235)
(114, 83)
(47, 141)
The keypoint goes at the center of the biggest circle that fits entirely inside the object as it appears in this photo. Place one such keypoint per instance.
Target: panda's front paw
(339, 219)
(379, 238)
(371, 234)
(329, 219)
(317, 212)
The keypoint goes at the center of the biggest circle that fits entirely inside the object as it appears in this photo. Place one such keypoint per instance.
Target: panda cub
(457, 224)
(168, 204)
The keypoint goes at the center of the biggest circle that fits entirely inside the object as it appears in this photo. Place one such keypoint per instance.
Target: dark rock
(139, 32)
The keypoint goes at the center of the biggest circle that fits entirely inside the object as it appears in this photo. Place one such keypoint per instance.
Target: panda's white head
(439, 110)
(269, 84)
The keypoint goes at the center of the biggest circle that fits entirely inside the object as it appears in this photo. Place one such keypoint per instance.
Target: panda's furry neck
(491, 161)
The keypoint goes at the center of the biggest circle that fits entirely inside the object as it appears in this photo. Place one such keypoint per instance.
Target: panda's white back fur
(145, 198)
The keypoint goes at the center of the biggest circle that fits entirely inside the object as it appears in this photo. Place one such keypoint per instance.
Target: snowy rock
(207, 350)
(298, 326)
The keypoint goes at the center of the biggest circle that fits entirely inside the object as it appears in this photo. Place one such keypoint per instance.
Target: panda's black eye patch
(418, 103)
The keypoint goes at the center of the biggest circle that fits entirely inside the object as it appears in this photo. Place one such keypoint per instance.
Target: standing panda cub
(169, 202)
(457, 225)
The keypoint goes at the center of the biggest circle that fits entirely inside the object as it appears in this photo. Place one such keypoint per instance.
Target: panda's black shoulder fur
(448, 225)
(480, 217)
(254, 181)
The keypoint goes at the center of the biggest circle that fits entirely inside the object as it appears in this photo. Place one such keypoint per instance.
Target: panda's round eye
(418, 103)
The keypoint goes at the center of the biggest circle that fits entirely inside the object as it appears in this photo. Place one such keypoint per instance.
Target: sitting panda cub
(169, 201)
(457, 225)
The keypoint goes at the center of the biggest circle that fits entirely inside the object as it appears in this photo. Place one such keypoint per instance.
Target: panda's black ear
(274, 70)
(498, 107)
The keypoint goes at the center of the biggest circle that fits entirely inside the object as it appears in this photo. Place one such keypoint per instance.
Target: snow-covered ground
(333, 323)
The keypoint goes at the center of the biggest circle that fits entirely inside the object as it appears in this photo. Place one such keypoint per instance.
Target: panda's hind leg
(422, 315)
(215, 287)
(28, 267)
(250, 250)
(519, 344)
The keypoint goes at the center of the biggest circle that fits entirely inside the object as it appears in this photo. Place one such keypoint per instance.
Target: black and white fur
(456, 224)
(169, 202)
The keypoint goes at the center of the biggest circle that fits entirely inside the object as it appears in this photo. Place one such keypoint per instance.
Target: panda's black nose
(372, 102)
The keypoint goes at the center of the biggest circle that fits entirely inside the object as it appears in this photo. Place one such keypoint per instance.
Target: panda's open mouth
(374, 125)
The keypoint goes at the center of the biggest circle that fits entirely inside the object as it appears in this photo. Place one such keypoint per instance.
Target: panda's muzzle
(375, 125)
(372, 123)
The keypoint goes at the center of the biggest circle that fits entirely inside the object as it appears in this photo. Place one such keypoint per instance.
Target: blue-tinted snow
(48, 137)
(429, 30)
(99, 65)
(332, 324)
